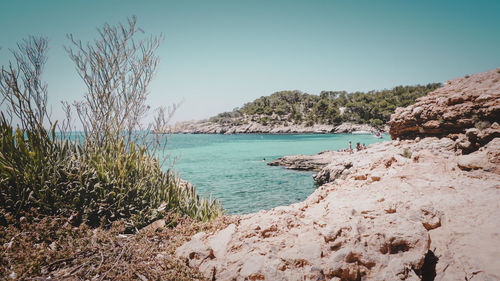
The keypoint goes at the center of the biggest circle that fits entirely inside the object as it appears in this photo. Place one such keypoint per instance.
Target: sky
(218, 55)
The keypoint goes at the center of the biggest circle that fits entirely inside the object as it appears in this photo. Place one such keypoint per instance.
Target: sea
(233, 168)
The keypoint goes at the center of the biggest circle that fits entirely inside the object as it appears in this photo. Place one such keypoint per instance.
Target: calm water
(231, 167)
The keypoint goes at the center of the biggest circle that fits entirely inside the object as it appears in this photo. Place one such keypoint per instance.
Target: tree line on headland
(329, 107)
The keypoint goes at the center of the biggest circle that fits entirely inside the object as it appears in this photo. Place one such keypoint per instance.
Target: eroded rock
(253, 127)
(388, 212)
(370, 229)
(306, 162)
(460, 105)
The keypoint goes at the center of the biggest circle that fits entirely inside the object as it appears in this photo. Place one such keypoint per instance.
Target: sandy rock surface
(399, 200)
(471, 102)
(345, 164)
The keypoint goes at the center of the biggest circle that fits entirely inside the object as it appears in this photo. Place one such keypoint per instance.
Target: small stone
(375, 176)
(360, 177)
(472, 161)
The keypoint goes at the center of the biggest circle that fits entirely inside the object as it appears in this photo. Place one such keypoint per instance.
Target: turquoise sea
(232, 169)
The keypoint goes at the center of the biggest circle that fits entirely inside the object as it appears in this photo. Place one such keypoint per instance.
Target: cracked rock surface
(377, 222)
(306, 162)
(414, 209)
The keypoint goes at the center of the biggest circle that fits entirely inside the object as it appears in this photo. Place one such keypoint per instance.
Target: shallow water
(231, 167)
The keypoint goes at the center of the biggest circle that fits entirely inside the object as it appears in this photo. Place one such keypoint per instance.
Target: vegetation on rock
(329, 107)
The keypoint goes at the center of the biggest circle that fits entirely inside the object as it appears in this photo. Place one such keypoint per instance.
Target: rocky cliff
(417, 209)
(469, 105)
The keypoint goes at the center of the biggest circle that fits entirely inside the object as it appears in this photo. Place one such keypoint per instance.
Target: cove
(232, 167)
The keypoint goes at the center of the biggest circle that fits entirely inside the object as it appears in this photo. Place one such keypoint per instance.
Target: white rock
(406, 207)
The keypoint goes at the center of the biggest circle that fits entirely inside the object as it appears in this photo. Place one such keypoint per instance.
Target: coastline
(207, 127)
(386, 212)
(418, 207)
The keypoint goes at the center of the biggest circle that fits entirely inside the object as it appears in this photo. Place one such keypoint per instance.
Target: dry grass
(53, 248)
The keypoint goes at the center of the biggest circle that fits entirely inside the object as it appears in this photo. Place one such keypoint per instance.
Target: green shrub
(263, 120)
(30, 166)
(96, 185)
(310, 120)
(376, 122)
(114, 173)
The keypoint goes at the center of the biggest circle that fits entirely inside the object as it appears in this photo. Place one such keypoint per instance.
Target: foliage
(226, 117)
(95, 184)
(374, 107)
(113, 174)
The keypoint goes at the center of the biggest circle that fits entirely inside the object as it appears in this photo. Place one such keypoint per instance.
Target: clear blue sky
(217, 55)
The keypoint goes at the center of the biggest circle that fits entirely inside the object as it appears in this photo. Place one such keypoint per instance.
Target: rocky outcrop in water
(306, 162)
(466, 109)
(206, 127)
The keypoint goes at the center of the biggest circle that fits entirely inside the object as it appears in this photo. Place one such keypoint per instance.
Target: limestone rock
(208, 127)
(486, 158)
(305, 162)
(400, 210)
(218, 243)
(333, 171)
(472, 161)
(461, 104)
(406, 212)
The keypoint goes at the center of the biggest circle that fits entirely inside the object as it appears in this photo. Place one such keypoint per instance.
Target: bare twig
(116, 262)
(117, 69)
(21, 86)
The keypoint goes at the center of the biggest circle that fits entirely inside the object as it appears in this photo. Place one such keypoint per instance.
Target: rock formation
(417, 209)
(466, 109)
(407, 201)
(306, 162)
(207, 127)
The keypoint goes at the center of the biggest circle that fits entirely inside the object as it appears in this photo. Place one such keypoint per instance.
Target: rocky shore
(421, 208)
(307, 162)
(207, 127)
